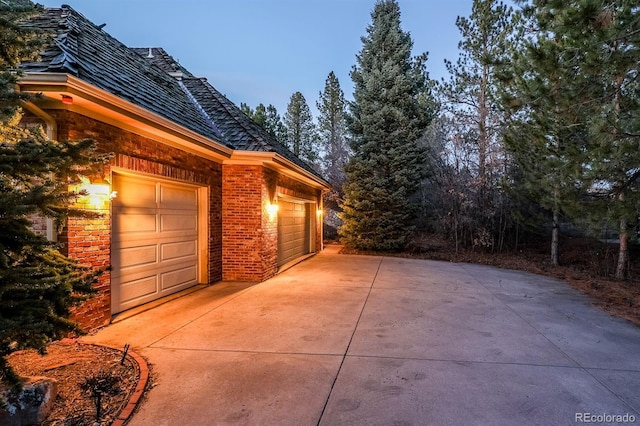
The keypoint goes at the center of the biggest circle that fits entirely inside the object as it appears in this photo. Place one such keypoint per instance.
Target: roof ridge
(233, 110)
(206, 116)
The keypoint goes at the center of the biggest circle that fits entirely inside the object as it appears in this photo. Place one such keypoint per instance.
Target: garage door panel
(179, 277)
(173, 222)
(177, 250)
(136, 256)
(135, 223)
(133, 192)
(137, 289)
(175, 197)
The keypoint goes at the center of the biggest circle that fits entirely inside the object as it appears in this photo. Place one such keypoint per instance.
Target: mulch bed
(71, 363)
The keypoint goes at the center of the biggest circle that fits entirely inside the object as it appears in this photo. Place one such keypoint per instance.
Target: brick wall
(250, 232)
(242, 219)
(269, 225)
(89, 240)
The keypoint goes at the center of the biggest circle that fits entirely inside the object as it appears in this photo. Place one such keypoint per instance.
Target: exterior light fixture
(272, 210)
(319, 211)
(67, 100)
(96, 193)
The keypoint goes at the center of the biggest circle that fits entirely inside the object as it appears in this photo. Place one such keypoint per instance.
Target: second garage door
(294, 230)
(154, 240)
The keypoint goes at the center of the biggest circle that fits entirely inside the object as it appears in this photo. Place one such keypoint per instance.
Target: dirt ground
(71, 363)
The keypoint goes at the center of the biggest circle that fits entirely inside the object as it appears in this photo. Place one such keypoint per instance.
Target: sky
(263, 51)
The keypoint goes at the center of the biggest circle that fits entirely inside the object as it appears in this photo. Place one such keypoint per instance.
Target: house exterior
(195, 192)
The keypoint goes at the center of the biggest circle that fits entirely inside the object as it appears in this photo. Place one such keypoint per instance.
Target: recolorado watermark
(604, 418)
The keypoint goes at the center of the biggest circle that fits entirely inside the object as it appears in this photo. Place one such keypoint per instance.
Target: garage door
(293, 231)
(154, 240)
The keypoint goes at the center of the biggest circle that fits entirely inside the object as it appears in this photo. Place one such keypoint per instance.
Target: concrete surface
(359, 340)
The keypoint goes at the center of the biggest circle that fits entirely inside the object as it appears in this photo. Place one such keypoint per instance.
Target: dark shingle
(240, 131)
(149, 78)
(80, 48)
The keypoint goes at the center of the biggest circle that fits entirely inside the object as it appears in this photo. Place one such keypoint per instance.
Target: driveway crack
(344, 356)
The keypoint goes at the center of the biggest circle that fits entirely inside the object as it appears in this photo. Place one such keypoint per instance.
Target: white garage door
(154, 244)
(293, 231)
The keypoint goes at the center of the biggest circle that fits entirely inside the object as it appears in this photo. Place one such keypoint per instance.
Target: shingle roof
(149, 78)
(82, 49)
(236, 127)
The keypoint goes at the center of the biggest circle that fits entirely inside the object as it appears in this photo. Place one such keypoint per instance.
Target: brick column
(249, 248)
(88, 240)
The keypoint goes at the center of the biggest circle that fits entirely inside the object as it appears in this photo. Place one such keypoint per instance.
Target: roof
(236, 127)
(148, 78)
(84, 50)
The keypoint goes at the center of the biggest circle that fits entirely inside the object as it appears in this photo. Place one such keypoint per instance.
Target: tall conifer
(577, 88)
(301, 132)
(388, 116)
(332, 131)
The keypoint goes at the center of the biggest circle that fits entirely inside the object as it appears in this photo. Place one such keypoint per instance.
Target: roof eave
(97, 103)
(277, 162)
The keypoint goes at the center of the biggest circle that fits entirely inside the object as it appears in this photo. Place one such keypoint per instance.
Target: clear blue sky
(257, 51)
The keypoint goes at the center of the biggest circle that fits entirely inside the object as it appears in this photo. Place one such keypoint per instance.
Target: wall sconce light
(97, 192)
(272, 210)
(66, 99)
(319, 211)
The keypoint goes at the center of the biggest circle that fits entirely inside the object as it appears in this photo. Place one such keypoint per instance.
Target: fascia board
(280, 164)
(104, 106)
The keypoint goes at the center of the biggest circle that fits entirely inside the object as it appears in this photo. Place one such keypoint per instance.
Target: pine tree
(274, 125)
(260, 115)
(332, 131)
(388, 116)
(581, 71)
(610, 68)
(38, 284)
(335, 151)
(268, 118)
(247, 110)
(541, 115)
(488, 36)
(301, 132)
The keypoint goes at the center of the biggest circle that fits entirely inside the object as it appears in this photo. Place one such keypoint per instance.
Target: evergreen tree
(332, 131)
(541, 115)
(274, 125)
(335, 151)
(584, 62)
(247, 110)
(260, 115)
(268, 118)
(37, 283)
(611, 87)
(387, 118)
(301, 132)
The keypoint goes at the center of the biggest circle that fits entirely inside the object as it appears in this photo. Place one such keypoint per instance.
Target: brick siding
(243, 236)
(89, 240)
(250, 233)
(242, 223)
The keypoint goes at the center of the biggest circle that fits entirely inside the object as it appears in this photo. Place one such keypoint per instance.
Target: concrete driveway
(359, 340)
